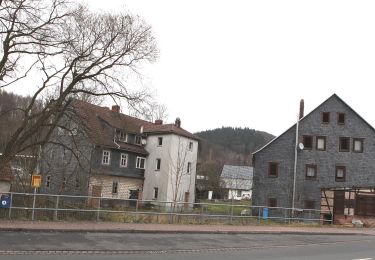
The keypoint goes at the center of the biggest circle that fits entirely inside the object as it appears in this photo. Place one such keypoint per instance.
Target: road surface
(116, 246)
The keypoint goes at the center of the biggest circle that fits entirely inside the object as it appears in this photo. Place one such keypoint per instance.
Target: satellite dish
(301, 146)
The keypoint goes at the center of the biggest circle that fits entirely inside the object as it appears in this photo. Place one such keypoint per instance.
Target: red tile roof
(95, 119)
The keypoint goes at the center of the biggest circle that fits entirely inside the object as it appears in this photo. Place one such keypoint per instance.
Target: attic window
(325, 117)
(123, 136)
(138, 139)
(341, 118)
(273, 169)
(358, 145)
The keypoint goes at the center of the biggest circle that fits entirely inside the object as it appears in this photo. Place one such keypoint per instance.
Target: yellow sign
(36, 181)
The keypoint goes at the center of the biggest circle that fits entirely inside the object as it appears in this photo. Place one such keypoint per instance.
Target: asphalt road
(116, 246)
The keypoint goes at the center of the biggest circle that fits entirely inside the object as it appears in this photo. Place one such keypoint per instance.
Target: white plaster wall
(164, 179)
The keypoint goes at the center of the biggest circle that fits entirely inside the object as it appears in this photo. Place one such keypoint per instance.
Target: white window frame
(108, 156)
(123, 156)
(138, 162)
(136, 138)
(123, 137)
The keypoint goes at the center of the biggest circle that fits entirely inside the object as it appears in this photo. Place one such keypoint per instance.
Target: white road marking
(363, 259)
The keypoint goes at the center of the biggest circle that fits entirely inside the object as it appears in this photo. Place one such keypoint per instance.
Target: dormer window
(123, 137)
(138, 140)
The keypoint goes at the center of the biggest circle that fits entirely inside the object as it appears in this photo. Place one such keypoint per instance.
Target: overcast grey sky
(248, 63)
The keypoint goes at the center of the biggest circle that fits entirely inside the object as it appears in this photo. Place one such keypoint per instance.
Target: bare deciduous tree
(73, 52)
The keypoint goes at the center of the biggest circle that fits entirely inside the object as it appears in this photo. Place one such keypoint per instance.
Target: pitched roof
(333, 96)
(95, 117)
(237, 172)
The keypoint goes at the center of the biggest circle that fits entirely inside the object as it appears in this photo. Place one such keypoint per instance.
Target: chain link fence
(49, 207)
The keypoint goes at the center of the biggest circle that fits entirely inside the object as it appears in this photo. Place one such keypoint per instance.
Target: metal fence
(28, 206)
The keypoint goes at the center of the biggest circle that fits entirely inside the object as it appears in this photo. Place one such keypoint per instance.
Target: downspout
(295, 167)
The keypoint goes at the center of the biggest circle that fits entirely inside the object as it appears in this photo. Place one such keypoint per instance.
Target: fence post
(33, 210)
(10, 206)
(231, 212)
(56, 208)
(136, 210)
(285, 215)
(259, 215)
(98, 211)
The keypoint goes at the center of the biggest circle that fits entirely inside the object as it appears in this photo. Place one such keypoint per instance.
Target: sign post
(36, 181)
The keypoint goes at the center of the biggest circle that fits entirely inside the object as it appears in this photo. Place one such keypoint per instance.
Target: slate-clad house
(113, 159)
(335, 166)
(237, 181)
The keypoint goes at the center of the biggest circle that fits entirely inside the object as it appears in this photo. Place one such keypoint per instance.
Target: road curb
(260, 232)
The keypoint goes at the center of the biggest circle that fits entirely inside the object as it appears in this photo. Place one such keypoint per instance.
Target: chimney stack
(301, 108)
(158, 122)
(178, 122)
(116, 108)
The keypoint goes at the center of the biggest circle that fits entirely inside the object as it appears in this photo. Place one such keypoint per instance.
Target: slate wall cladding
(360, 167)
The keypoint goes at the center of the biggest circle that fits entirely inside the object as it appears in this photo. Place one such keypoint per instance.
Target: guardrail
(69, 207)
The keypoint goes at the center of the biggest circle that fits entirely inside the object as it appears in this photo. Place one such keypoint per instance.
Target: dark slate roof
(333, 96)
(95, 117)
(237, 172)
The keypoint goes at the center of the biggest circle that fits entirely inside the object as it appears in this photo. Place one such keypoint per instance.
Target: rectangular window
(138, 139)
(309, 204)
(239, 193)
(344, 144)
(325, 117)
(272, 202)
(158, 164)
(341, 118)
(106, 157)
(48, 181)
(140, 163)
(115, 187)
(160, 141)
(358, 145)
(321, 143)
(189, 167)
(311, 171)
(307, 142)
(340, 173)
(123, 137)
(124, 160)
(190, 146)
(156, 193)
(273, 169)
(77, 182)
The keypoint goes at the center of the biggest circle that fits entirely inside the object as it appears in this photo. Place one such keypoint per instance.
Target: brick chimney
(301, 108)
(178, 122)
(158, 122)
(116, 108)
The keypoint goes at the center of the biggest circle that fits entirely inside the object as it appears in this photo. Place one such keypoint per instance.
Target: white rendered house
(171, 164)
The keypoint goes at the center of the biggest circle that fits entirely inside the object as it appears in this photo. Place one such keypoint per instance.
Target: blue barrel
(265, 213)
(5, 201)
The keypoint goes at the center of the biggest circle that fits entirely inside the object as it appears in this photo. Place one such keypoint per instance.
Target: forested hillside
(229, 145)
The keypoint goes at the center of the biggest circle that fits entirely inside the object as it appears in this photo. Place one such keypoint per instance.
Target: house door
(338, 203)
(95, 192)
(186, 200)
